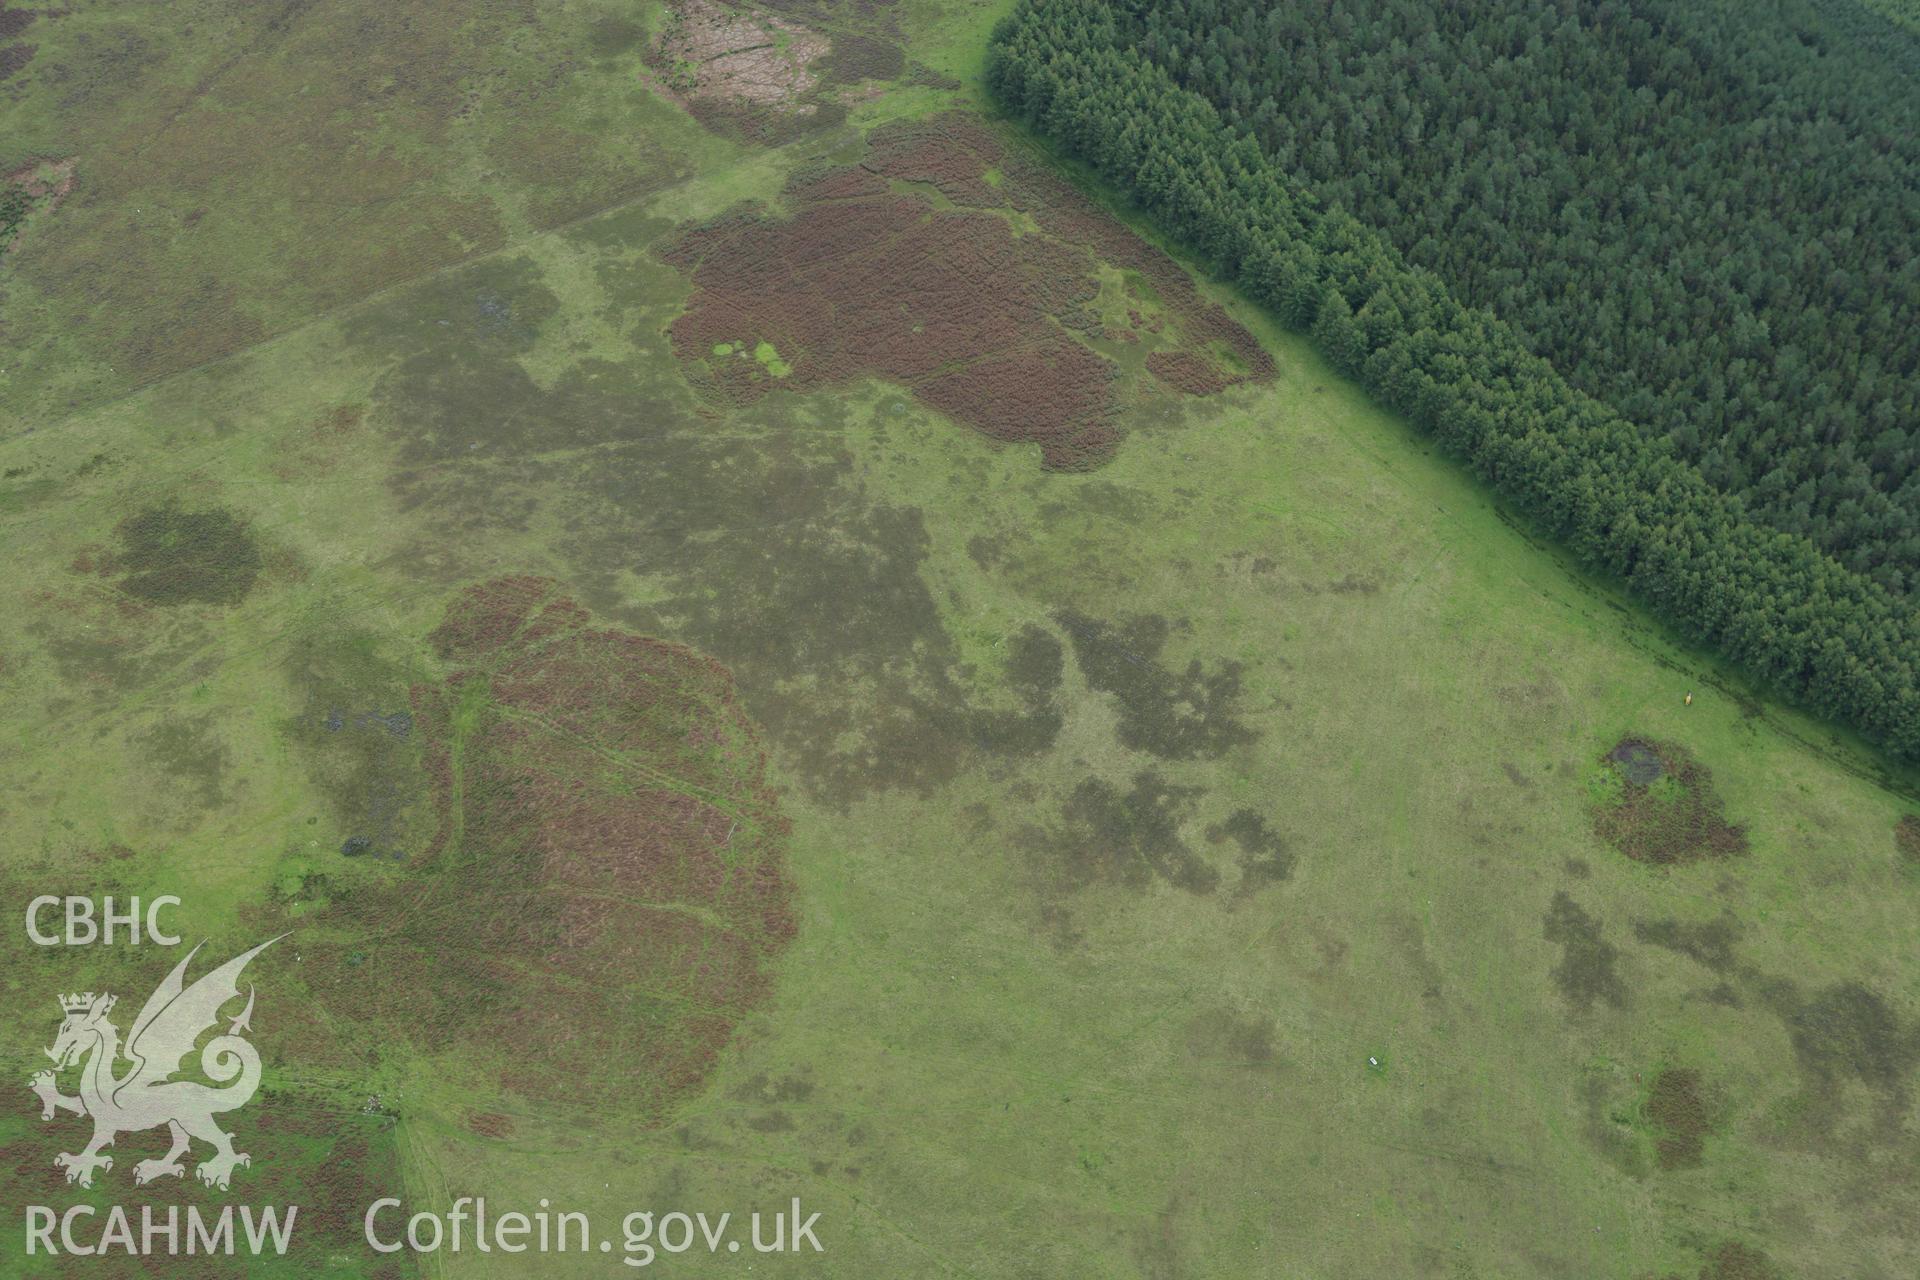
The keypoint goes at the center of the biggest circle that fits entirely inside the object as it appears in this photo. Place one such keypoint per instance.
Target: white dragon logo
(147, 1095)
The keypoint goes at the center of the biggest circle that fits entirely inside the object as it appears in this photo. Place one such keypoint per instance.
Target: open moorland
(763, 636)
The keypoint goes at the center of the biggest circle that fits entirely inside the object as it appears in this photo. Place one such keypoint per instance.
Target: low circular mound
(606, 891)
(1657, 804)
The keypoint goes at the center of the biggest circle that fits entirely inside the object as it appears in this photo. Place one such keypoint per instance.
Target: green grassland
(1290, 951)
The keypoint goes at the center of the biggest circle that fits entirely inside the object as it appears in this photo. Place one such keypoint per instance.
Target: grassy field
(1192, 861)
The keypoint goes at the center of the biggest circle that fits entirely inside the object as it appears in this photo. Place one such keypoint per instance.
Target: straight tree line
(1622, 498)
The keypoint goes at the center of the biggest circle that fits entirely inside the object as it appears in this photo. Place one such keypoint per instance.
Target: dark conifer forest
(1652, 269)
(1707, 215)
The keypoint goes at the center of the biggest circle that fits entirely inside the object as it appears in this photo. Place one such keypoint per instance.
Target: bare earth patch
(730, 65)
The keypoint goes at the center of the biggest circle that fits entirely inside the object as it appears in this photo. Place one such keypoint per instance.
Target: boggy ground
(1191, 868)
(915, 265)
(604, 892)
(1655, 803)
